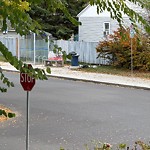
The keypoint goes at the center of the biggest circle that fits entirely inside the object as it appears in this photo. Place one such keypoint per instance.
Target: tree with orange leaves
(117, 48)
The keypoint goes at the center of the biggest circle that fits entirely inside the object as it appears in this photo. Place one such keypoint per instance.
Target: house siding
(91, 29)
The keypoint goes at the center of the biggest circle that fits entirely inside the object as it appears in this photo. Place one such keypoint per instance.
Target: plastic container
(74, 59)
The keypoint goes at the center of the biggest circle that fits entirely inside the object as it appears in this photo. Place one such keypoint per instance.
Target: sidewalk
(67, 73)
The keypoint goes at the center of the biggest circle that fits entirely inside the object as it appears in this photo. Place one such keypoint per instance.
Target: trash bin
(74, 59)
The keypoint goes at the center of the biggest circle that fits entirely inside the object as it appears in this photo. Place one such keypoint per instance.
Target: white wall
(91, 29)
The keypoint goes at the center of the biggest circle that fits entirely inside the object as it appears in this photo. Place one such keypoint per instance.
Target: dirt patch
(7, 110)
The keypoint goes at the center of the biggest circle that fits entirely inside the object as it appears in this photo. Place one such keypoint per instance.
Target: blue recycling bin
(74, 60)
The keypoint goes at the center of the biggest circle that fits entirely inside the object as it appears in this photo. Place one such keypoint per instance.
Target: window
(106, 29)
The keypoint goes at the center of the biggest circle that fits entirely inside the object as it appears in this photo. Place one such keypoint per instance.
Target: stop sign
(27, 81)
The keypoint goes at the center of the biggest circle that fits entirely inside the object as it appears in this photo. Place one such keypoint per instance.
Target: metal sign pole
(131, 57)
(27, 125)
(132, 33)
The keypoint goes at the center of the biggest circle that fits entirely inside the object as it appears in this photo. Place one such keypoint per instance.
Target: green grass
(105, 69)
(117, 71)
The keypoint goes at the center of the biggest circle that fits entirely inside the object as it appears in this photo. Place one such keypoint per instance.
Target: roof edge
(83, 10)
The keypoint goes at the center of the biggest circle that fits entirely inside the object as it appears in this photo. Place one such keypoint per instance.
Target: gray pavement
(76, 112)
(67, 73)
(71, 114)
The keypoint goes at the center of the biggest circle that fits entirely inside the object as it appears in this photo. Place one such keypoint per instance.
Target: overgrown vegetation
(138, 145)
(117, 49)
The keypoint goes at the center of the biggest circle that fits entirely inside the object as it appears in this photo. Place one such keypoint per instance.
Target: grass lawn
(117, 71)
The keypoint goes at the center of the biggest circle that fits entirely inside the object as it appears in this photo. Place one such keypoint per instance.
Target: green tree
(57, 23)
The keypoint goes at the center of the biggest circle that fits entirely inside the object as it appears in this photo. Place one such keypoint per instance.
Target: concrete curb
(90, 81)
(100, 82)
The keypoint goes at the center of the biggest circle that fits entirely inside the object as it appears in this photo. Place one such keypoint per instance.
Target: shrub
(117, 48)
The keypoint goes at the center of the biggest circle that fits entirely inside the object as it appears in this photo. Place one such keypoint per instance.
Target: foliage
(122, 146)
(143, 145)
(2, 58)
(58, 51)
(99, 145)
(106, 146)
(15, 12)
(9, 114)
(57, 23)
(116, 7)
(5, 82)
(117, 48)
(61, 148)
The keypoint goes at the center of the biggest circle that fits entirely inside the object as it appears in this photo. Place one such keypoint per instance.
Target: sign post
(27, 124)
(132, 33)
(27, 83)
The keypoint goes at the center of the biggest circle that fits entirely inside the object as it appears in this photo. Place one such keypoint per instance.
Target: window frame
(104, 29)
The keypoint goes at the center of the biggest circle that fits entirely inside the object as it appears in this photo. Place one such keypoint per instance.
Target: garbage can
(74, 59)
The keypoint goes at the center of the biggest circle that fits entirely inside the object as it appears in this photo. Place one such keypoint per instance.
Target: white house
(96, 27)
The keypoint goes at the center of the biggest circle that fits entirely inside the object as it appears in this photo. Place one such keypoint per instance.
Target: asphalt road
(71, 114)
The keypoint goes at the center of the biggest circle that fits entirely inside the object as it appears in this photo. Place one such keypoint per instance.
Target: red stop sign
(27, 81)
